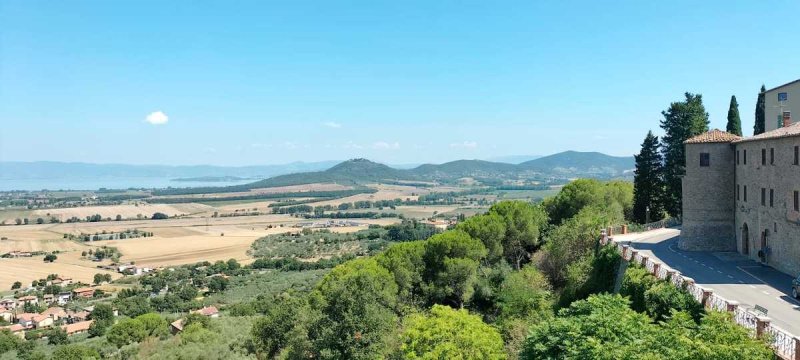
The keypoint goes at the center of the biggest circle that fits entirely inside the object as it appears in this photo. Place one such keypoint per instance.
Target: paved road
(729, 274)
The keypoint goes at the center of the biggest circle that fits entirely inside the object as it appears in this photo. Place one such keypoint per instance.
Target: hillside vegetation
(564, 165)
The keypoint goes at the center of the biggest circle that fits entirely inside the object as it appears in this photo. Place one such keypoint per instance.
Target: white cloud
(157, 118)
(352, 145)
(382, 145)
(465, 145)
(332, 124)
(290, 145)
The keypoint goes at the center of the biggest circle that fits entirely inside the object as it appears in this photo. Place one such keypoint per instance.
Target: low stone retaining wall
(786, 345)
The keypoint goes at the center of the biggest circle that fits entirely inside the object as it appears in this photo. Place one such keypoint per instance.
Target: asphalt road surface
(729, 274)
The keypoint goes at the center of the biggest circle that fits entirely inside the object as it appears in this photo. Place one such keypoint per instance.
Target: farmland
(217, 226)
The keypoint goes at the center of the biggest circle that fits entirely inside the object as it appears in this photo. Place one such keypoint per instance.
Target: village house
(16, 329)
(8, 303)
(210, 311)
(55, 312)
(33, 320)
(29, 299)
(77, 327)
(84, 292)
(6, 314)
(63, 298)
(73, 317)
(176, 326)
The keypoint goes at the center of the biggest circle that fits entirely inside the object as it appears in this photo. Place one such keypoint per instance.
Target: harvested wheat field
(26, 270)
(129, 211)
(33, 238)
(215, 242)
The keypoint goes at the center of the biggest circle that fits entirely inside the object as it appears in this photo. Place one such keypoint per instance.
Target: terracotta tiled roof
(208, 311)
(27, 298)
(713, 136)
(55, 311)
(27, 316)
(14, 328)
(77, 327)
(789, 131)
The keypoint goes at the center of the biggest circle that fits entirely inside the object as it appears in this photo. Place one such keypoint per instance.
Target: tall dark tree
(648, 183)
(734, 122)
(682, 121)
(761, 104)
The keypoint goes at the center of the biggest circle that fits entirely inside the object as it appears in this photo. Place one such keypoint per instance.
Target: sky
(401, 82)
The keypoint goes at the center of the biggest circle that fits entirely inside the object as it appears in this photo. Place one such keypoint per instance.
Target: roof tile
(713, 136)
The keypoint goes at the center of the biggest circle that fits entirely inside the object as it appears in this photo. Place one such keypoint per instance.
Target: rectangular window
(738, 192)
(737, 157)
(705, 159)
(744, 194)
(763, 197)
(797, 155)
(797, 201)
(763, 156)
(771, 197)
(772, 156)
(744, 157)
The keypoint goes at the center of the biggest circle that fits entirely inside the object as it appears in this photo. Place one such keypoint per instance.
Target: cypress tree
(734, 122)
(648, 183)
(682, 121)
(761, 104)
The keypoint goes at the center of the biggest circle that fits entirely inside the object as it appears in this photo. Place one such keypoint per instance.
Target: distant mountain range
(564, 165)
(52, 169)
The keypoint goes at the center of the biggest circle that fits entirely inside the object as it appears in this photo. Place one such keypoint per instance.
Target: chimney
(787, 118)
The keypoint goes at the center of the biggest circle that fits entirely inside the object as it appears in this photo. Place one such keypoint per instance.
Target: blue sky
(267, 82)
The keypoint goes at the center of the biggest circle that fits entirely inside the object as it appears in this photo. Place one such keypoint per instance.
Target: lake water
(108, 183)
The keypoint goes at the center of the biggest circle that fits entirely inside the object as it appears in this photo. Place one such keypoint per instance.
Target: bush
(635, 283)
(663, 298)
(126, 332)
(57, 336)
(446, 333)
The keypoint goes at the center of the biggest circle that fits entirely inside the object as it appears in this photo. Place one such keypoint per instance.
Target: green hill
(581, 164)
(350, 172)
(463, 168)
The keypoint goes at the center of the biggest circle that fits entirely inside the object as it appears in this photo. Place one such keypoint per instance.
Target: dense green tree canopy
(490, 229)
(734, 125)
(450, 261)
(524, 223)
(446, 333)
(760, 115)
(125, 332)
(682, 120)
(357, 302)
(648, 182)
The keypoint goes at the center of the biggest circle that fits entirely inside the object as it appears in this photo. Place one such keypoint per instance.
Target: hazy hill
(350, 172)
(581, 163)
(463, 168)
(58, 170)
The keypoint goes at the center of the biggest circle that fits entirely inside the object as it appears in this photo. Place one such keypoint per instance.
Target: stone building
(779, 103)
(743, 194)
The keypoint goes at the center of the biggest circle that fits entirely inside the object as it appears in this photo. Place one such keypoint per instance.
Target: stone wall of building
(708, 199)
(778, 220)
